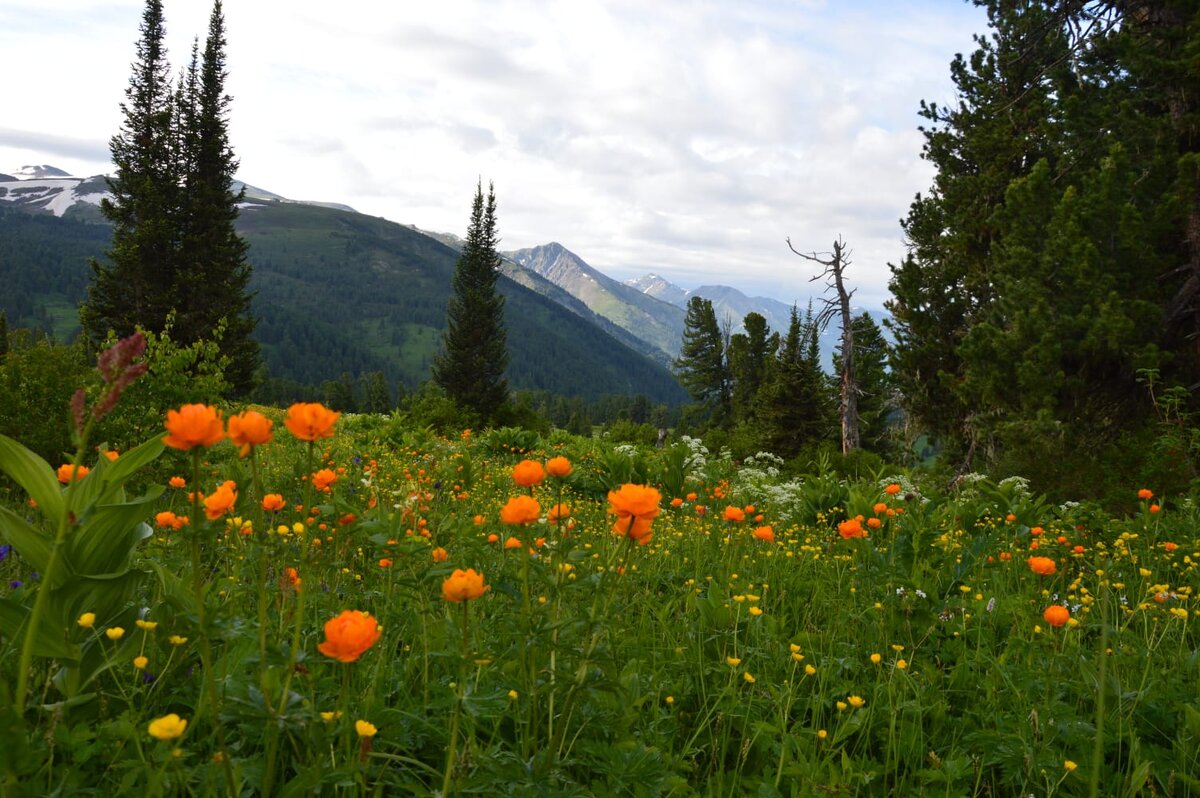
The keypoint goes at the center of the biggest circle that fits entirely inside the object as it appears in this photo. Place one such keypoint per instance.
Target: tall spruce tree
(173, 207)
(795, 404)
(134, 288)
(470, 367)
(702, 366)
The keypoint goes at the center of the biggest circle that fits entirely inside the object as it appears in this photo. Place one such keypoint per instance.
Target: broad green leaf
(133, 461)
(47, 642)
(105, 540)
(33, 474)
(31, 543)
(103, 594)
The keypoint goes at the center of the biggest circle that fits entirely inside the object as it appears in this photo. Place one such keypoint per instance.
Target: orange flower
(1043, 566)
(559, 467)
(851, 528)
(111, 455)
(735, 514)
(221, 501)
(528, 473)
(520, 510)
(177, 482)
(193, 425)
(636, 529)
(557, 513)
(640, 501)
(439, 554)
(311, 421)
(512, 543)
(1057, 615)
(272, 502)
(250, 429)
(765, 534)
(880, 508)
(893, 489)
(463, 585)
(874, 523)
(67, 469)
(323, 479)
(677, 502)
(1145, 493)
(348, 635)
(385, 563)
(168, 520)
(1154, 508)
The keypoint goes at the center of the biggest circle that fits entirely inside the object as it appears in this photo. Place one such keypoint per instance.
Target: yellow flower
(1069, 765)
(168, 727)
(822, 734)
(798, 657)
(176, 640)
(87, 620)
(749, 679)
(330, 717)
(140, 662)
(755, 611)
(856, 701)
(875, 658)
(514, 695)
(810, 670)
(793, 648)
(733, 662)
(670, 700)
(901, 664)
(364, 729)
(148, 626)
(115, 633)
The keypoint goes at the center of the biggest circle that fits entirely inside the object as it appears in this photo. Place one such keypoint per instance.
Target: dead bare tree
(834, 267)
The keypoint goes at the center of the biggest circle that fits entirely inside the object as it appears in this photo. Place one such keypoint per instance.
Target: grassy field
(760, 634)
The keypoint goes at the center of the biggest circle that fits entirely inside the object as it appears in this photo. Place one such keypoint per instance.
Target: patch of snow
(241, 205)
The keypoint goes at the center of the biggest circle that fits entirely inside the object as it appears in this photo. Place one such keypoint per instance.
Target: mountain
(728, 303)
(38, 172)
(651, 320)
(335, 291)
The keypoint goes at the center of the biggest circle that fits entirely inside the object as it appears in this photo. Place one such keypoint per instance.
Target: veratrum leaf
(32, 544)
(47, 642)
(34, 475)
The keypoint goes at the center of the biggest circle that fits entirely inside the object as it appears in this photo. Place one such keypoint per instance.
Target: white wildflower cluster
(698, 458)
(785, 499)
(764, 461)
(1018, 485)
(1068, 506)
(627, 449)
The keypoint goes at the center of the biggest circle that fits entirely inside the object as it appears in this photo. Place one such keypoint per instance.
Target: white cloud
(684, 138)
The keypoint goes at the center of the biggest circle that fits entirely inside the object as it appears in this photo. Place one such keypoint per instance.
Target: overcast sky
(685, 138)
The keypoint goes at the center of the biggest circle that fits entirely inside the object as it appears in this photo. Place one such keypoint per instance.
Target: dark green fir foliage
(1052, 258)
(173, 208)
(470, 366)
(795, 403)
(876, 401)
(702, 366)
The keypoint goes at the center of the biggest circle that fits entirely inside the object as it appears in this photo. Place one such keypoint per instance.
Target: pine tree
(750, 353)
(701, 365)
(211, 289)
(134, 287)
(470, 367)
(795, 404)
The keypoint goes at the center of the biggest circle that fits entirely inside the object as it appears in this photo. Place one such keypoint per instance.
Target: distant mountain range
(645, 314)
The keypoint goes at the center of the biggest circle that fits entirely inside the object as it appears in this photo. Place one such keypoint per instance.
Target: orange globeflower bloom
(193, 425)
(874, 523)
(677, 502)
(557, 513)
(168, 520)
(440, 554)
(528, 473)
(221, 500)
(735, 514)
(636, 529)
(348, 635)
(1057, 615)
(323, 479)
(250, 429)
(512, 543)
(463, 585)
(640, 501)
(1043, 566)
(177, 482)
(311, 421)
(520, 510)
(893, 489)
(851, 528)
(880, 508)
(272, 502)
(765, 534)
(67, 469)
(1145, 493)
(559, 467)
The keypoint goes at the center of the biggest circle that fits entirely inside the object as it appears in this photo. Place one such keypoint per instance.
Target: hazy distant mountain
(728, 303)
(652, 320)
(39, 171)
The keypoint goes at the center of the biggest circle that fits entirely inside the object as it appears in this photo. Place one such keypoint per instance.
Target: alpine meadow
(296, 500)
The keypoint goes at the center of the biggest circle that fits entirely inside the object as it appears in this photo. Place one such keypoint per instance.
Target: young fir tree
(701, 365)
(875, 402)
(795, 403)
(470, 367)
(134, 287)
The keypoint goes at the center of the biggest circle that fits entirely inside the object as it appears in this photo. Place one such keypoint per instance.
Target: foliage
(702, 365)
(470, 367)
(37, 378)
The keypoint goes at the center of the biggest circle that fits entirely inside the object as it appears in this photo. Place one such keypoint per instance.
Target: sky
(688, 138)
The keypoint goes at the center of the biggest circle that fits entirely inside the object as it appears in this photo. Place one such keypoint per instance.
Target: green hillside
(339, 292)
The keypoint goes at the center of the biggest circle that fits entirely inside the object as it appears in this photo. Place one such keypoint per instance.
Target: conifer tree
(795, 403)
(701, 365)
(470, 367)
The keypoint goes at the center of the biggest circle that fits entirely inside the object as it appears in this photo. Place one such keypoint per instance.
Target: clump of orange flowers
(735, 514)
(851, 528)
(311, 421)
(636, 507)
(323, 479)
(1043, 566)
(221, 500)
(349, 635)
(67, 470)
(528, 473)
(463, 585)
(250, 429)
(764, 533)
(193, 425)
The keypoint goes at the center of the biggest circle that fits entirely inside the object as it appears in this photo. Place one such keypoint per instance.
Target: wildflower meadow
(289, 601)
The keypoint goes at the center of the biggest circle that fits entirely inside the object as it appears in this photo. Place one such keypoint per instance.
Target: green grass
(913, 661)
